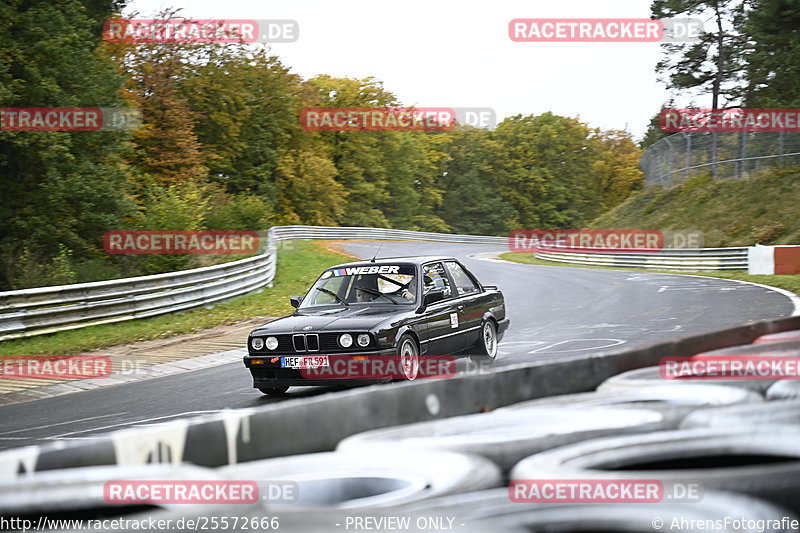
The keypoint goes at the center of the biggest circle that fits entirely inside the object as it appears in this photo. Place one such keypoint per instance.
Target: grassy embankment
(764, 209)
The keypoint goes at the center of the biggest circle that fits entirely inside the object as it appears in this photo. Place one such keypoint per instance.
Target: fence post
(714, 155)
(688, 155)
(741, 155)
(669, 160)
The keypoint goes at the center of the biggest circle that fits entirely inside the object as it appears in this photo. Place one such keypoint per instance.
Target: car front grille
(305, 342)
(300, 343)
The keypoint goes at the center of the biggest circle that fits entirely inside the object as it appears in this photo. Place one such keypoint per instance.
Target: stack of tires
(737, 440)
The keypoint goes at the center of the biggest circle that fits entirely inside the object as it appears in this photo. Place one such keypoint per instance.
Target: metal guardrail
(43, 310)
(687, 259)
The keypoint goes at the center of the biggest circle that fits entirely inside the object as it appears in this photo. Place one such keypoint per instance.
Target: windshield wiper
(326, 291)
(378, 293)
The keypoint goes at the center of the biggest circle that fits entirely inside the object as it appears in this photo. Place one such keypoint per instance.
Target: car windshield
(370, 284)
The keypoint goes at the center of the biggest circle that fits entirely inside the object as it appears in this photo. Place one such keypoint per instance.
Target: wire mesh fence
(674, 159)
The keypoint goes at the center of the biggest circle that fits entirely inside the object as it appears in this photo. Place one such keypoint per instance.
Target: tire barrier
(673, 401)
(245, 437)
(493, 510)
(782, 412)
(507, 436)
(784, 389)
(372, 477)
(643, 378)
(763, 463)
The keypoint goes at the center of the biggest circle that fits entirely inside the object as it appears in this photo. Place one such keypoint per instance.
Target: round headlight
(345, 340)
(363, 340)
(272, 343)
(257, 343)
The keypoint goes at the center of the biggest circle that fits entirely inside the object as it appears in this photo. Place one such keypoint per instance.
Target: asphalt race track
(555, 312)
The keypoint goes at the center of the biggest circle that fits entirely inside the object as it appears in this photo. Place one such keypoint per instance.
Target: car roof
(416, 260)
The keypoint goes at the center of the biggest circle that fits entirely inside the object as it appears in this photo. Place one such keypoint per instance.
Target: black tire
(486, 347)
(408, 357)
(783, 336)
(782, 412)
(377, 477)
(759, 462)
(784, 389)
(650, 376)
(506, 437)
(274, 391)
(673, 401)
(495, 511)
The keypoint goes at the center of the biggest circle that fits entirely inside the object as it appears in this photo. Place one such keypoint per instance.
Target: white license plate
(306, 361)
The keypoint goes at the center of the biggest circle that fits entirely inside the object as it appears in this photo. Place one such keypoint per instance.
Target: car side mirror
(433, 296)
(296, 301)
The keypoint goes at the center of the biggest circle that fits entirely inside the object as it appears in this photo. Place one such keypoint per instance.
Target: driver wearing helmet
(365, 291)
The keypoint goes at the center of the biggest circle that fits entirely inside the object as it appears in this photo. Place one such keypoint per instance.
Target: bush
(244, 213)
(30, 269)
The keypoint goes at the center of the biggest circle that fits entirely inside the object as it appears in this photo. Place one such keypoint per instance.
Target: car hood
(353, 318)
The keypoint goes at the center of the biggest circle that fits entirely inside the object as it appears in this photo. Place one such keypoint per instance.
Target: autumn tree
(167, 149)
(473, 202)
(544, 167)
(61, 190)
(616, 171)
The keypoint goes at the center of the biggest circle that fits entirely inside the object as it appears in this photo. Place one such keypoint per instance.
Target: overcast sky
(447, 53)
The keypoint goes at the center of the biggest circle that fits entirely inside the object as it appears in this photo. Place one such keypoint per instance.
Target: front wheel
(408, 355)
(274, 391)
(486, 348)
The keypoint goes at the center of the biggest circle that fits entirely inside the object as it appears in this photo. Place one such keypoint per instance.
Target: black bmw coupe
(388, 314)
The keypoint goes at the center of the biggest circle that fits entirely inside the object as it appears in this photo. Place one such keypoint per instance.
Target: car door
(468, 303)
(441, 317)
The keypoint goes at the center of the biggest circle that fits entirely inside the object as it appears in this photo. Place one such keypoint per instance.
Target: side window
(464, 284)
(434, 277)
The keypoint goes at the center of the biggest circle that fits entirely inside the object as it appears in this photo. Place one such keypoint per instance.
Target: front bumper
(270, 374)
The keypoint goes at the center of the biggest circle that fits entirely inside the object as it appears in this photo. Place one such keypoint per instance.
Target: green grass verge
(788, 282)
(299, 264)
